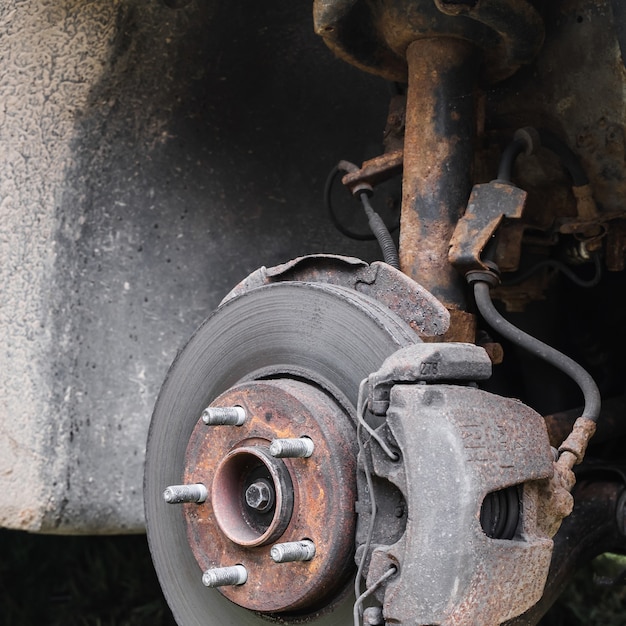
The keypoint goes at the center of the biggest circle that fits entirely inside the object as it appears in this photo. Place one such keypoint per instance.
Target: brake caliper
(459, 479)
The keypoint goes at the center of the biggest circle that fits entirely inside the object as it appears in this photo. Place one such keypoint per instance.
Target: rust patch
(488, 205)
(462, 329)
(577, 441)
(555, 501)
(616, 247)
(374, 171)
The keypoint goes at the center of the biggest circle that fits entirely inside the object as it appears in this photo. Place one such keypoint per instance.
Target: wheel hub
(258, 500)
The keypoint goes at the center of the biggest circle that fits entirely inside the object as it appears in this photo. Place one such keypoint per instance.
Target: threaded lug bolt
(225, 576)
(293, 551)
(176, 494)
(224, 416)
(300, 448)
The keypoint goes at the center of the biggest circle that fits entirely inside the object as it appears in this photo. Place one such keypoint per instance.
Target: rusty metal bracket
(488, 205)
(375, 171)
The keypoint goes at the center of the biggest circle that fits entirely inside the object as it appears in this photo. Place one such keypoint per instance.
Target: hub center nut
(260, 496)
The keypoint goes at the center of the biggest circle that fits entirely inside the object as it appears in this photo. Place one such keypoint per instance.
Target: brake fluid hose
(378, 228)
(381, 232)
(341, 167)
(573, 448)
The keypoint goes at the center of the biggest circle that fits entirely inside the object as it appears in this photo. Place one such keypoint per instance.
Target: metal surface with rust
(578, 440)
(589, 531)
(375, 170)
(438, 157)
(323, 492)
(402, 295)
(575, 89)
(488, 205)
(374, 35)
(459, 444)
(428, 362)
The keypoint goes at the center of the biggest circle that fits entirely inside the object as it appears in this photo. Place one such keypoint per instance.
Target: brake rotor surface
(324, 336)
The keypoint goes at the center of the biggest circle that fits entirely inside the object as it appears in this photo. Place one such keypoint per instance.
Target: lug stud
(175, 494)
(292, 448)
(260, 496)
(225, 576)
(224, 416)
(293, 551)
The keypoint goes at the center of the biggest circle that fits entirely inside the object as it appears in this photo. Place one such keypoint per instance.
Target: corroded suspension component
(438, 157)
(374, 36)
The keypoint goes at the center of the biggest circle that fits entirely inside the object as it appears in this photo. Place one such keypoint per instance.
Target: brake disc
(291, 353)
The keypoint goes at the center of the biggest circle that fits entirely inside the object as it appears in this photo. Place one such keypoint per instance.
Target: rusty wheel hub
(258, 500)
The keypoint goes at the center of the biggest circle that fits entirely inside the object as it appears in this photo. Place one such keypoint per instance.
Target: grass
(109, 581)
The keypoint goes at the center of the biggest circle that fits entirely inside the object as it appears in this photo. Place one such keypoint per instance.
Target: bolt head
(260, 496)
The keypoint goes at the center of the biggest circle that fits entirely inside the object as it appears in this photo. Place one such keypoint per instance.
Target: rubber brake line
(379, 230)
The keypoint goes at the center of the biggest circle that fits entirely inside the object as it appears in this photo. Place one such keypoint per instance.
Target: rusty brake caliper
(449, 488)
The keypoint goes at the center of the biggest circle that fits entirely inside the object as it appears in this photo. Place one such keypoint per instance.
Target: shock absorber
(438, 157)
(441, 49)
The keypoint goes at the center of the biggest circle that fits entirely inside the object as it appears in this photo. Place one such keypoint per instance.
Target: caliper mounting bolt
(225, 576)
(176, 494)
(301, 447)
(224, 416)
(293, 551)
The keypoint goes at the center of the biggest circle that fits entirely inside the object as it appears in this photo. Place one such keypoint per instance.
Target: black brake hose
(346, 166)
(490, 314)
(379, 229)
(381, 232)
(572, 450)
(507, 161)
(527, 140)
(564, 269)
(328, 187)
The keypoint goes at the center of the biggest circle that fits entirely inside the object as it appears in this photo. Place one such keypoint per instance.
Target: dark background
(109, 581)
